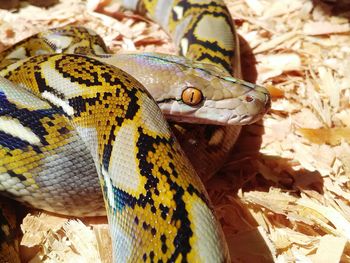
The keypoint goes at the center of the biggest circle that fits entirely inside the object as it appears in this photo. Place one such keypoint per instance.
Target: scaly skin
(157, 207)
(203, 30)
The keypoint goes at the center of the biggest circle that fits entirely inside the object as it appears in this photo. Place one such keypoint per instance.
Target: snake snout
(254, 104)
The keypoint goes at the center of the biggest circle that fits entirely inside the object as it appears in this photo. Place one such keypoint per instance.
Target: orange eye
(192, 96)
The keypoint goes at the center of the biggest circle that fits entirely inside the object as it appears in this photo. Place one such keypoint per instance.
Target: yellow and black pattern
(203, 30)
(157, 207)
(40, 151)
(69, 39)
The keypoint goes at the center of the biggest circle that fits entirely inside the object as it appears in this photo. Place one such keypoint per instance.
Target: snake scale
(61, 111)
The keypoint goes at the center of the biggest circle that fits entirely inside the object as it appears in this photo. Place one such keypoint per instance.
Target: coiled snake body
(58, 111)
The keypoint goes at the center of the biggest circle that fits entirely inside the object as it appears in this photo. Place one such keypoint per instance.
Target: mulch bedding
(283, 195)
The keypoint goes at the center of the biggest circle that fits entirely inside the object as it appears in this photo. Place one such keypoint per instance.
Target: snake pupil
(192, 96)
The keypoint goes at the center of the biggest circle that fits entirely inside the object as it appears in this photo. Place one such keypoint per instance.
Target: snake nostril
(249, 98)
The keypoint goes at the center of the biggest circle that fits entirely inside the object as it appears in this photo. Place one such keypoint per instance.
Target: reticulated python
(67, 108)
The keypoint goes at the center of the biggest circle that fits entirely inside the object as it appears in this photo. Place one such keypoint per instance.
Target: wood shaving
(283, 195)
(325, 28)
(331, 136)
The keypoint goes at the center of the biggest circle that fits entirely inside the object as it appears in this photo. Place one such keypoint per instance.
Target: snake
(61, 110)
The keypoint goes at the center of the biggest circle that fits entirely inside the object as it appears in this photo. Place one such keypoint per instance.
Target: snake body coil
(156, 205)
(59, 111)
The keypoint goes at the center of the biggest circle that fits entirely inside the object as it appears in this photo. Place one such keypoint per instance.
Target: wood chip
(330, 249)
(324, 28)
(331, 136)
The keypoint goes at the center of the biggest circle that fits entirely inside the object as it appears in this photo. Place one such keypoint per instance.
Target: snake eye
(192, 96)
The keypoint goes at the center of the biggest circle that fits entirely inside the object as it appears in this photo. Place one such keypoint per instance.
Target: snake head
(206, 94)
(195, 92)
